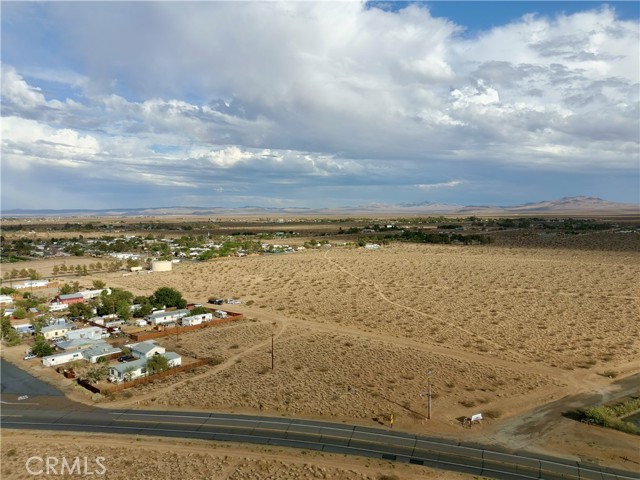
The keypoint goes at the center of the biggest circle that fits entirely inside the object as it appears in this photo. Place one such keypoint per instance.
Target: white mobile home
(60, 358)
(197, 319)
(89, 332)
(162, 318)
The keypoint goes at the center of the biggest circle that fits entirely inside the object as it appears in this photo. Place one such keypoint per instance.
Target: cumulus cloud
(316, 94)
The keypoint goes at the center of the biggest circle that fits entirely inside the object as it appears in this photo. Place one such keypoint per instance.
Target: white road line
(18, 403)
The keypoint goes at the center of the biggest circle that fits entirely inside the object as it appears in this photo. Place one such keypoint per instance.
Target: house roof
(121, 368)
(144, 347)
(171, 356)
(100, 350)
(70, 296)
(171, 313)
(78, 343)
(53, 328)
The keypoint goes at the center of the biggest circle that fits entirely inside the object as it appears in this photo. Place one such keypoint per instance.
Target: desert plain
(359, 335)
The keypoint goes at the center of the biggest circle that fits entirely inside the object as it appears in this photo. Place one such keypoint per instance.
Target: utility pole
(272, 354)
(429, 397)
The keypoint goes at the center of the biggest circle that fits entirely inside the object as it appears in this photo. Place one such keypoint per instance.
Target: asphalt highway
(40, 412)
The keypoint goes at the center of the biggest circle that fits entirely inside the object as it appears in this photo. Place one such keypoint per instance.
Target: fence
(143, 380)
(139, 337)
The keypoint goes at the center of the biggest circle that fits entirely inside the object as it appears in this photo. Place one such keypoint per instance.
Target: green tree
(109, 303)
(33, 275)
(99, 284)
(80, 310)
(41, 348)
(168, 297)
(199, 311)
(157, 364)
(9, 334)
(38, 323)
(19, 313)
(123, 309)
(56, 269)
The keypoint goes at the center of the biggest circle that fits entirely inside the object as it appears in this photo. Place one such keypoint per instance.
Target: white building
(197, 319)
(54, 331)
(161, 318)
(60, 358)
(89, 294)
(57, 307)
(146, 349)
(89, 332)
(32, 284)
(5, 300)
(138, 368)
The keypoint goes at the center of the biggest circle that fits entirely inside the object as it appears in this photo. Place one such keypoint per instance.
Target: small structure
(24, 328)
(5, 300)
(197, 319)
(161, 266)
(220, 314)
(141, 323)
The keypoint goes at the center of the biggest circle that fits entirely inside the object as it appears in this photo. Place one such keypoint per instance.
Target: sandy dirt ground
(132, 458)
(359, 334)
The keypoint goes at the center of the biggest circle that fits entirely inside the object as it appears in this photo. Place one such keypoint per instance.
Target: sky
(317, 104)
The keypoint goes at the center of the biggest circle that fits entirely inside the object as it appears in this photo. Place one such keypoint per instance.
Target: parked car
(29, 355)
(125, 358)
(216, 301)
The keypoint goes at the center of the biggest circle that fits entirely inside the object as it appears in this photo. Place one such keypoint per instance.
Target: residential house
(162, 318)
(89, 332)
(146, 349)
(60, 358)
(57, 306)
(70, 298)
(78, 343)
(89, 294)
(138, 368)
(54, 331)
(100, 350)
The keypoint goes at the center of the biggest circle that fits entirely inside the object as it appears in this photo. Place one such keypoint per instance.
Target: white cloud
(323, 92)
(449, 184)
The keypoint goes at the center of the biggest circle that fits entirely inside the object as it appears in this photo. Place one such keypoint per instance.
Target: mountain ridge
(577, 204)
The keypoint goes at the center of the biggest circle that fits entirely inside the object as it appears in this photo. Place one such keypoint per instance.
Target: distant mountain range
(565, 206)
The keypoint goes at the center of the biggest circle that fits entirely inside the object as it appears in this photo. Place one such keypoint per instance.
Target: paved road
(18, 382)
(39, 413)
